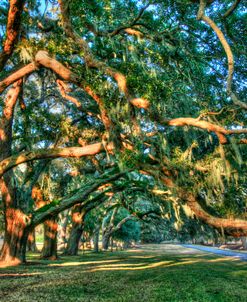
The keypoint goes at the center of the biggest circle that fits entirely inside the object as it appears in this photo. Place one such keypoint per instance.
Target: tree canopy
(138, 99)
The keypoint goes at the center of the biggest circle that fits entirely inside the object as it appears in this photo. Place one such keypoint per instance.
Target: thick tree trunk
(16, 222)
(31, 242)
(49, 250)
(15, 240)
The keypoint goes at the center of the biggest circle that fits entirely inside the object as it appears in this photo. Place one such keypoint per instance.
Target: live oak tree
(156, 87)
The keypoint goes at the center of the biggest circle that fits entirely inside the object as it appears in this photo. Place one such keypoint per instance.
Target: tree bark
(49, 250)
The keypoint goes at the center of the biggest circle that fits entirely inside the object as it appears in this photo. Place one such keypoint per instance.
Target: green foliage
(174, 61)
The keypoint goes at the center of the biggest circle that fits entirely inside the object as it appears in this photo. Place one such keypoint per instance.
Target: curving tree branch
(221, 132)
(15, 160)
(234, 227)
(201, 16)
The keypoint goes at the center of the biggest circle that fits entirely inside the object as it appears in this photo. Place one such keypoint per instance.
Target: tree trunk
(74, 240)
(78, 216)
(105, 240)
(31, 242)
(96, 240)
(112, 244)
(63, 229)
(15, 239)
(49, 250)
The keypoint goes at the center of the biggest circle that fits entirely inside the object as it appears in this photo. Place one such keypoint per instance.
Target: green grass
(127, 276)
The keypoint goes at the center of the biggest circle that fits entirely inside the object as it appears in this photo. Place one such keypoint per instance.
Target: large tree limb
(42, 58)
(201, 124)
(232, 226)
(76, 198)
(11, 99)
(93, 149)
(12, 30)
(7, 187)
(13, 161)
(15, 76)
(122, 222)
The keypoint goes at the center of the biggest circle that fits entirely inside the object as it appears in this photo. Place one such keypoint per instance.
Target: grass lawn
(134, 275)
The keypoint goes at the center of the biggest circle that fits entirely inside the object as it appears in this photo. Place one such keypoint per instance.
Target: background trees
(131, 89)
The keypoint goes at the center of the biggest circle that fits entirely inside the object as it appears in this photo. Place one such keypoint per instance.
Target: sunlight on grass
(224, 259)
(82, 263)
(19, 275)
(142, 257)
(127, 276)
(128, 266)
